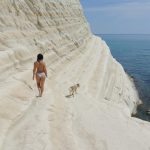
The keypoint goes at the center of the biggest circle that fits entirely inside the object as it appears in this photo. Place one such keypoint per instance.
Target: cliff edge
(97, 118)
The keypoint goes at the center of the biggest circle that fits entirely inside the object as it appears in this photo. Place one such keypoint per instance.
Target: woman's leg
(38, 84)
(42, 81)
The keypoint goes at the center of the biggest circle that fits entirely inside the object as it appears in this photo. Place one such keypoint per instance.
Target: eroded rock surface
(97, 118)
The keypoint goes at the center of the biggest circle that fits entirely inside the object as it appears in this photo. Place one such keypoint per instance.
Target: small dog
(73, 89)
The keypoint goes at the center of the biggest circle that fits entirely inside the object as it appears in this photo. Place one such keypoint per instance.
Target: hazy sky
(118, 16)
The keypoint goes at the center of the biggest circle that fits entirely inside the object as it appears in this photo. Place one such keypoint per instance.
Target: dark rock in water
(131, 76)
(148, 112)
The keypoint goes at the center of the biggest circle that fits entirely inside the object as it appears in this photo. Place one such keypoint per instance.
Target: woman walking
(40, 72)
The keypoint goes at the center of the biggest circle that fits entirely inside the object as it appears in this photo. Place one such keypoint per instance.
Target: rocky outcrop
(98, 117)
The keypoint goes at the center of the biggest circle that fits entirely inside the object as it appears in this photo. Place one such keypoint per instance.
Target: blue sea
(133, 52)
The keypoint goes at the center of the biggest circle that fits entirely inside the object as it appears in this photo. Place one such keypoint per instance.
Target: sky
(118, 16)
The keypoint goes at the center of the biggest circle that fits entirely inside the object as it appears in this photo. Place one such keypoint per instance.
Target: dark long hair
(39, 57)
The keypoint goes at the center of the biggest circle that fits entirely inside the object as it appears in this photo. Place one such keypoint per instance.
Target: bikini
(40, 74)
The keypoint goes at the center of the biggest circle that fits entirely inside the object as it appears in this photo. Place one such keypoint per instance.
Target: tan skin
(39, 66)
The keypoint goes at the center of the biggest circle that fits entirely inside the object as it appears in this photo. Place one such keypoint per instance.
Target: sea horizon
(120, 34)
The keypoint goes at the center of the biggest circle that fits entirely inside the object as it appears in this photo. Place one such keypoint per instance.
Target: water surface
(133, 52)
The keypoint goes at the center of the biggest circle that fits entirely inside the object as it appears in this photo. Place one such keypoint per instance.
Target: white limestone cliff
(97, 118)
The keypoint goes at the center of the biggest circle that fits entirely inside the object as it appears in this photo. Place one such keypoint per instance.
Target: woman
(40, 72)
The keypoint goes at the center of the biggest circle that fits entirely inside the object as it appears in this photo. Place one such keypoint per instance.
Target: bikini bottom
(41, 74)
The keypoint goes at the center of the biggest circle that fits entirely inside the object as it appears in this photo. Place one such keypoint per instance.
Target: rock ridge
(97, 118)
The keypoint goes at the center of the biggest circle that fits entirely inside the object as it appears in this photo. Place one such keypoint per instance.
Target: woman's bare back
(40, 67)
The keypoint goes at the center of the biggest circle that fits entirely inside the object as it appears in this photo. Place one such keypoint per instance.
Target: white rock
(97, 118)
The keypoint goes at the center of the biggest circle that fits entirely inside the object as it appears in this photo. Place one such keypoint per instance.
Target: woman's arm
(45, 70)
(34, 70)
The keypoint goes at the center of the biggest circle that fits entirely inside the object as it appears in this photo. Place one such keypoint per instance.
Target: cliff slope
(97, 118)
